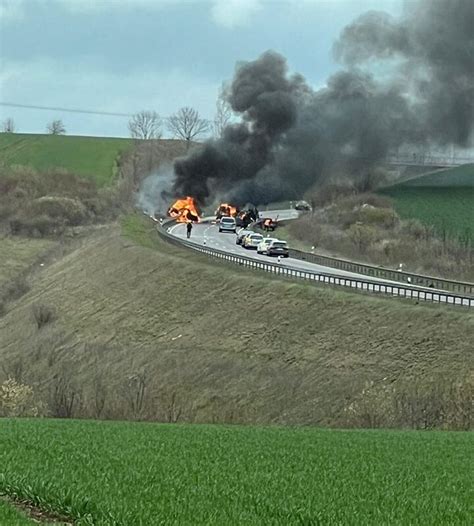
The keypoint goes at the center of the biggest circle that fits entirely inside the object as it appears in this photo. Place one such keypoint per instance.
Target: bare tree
(56, 128)
(187, 124)
(223, 112)
(8, 126)
(134, 391)
(145, 125)
(64, 396)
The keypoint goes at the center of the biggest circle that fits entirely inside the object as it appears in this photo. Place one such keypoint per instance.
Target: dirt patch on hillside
(36, 514)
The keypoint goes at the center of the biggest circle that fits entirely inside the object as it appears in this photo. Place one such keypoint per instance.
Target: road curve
(207, 234)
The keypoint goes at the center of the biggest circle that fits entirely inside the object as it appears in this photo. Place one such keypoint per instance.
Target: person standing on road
(189, 227)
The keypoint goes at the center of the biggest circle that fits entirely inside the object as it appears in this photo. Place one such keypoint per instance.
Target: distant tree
(145, 125)
(56, 128)
(223, 112)
(187, 124)
(8, 125)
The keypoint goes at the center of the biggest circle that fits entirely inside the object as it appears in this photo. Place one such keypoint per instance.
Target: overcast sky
(127, 55)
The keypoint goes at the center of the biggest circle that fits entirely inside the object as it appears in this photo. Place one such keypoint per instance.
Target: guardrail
(363, 285)
(409, 278)
(390, 274)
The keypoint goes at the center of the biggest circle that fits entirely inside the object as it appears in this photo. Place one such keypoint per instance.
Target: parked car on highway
(262, 246)
(227, 224)
(241, 234)
(303, 205)
(252, 240)
(278, 248)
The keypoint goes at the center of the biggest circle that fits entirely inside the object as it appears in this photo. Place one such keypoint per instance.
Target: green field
(106, 473)
(11, 517)
(460, 176)
(93, 157)
(444, 200)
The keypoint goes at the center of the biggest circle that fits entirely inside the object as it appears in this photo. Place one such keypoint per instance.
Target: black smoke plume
(291, 137)
(266, 97)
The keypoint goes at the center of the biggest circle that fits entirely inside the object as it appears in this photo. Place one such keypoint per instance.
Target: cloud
(85, 86)
(85, 6)
(11, 10)
(234, 13)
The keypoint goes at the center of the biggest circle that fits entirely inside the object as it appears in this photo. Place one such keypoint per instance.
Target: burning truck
(185, 210)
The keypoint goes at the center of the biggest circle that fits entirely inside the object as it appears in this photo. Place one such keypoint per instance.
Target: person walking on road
(189, 227)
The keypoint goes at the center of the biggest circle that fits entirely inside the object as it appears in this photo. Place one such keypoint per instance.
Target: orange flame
(185, 210)
(226, 210)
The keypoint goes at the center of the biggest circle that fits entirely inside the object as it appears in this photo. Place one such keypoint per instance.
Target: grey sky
(127, 55)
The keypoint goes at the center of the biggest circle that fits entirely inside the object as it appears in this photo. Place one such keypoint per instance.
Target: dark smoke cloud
(291, 137)
(265, 96)
(434, 43)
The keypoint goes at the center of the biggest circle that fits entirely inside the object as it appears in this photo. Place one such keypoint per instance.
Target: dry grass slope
(217, 343)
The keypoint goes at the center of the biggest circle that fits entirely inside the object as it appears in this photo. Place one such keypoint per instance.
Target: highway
(207, 234)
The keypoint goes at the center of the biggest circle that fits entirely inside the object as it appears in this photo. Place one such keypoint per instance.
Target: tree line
(186, 124)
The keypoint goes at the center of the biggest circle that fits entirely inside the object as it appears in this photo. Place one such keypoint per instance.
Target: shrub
(384, 217)
(362, 236)
(43, 314)
(17, 399)
(14, 289)
(327, 194)
(438, 403)
(36, 226)
(70, 211)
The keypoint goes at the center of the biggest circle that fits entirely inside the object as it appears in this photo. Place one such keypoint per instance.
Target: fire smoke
(291, 137)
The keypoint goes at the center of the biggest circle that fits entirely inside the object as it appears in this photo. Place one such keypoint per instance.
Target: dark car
(278, 248)
(303, 205)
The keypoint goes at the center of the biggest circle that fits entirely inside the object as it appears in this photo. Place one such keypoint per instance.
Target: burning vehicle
(226, 210)
(268, 224)
(245, 217)
(185, 210)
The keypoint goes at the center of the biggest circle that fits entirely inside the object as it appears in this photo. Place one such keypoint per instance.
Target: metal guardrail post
(390, 274)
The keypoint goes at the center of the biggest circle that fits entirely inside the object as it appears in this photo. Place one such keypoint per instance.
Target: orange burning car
(268, 224)
(185, 210)
(226, 210)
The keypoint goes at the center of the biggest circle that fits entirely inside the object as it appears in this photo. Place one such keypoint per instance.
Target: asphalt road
(207, 234)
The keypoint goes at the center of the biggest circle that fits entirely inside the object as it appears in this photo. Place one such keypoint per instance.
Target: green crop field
(11, 517)
(444, 200)
(93, 157)
(460, 176)
(106, 473)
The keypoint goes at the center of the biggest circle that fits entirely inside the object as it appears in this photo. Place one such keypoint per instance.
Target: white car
(241, 234)
(227, 224)
(252, 241)
(263, 245)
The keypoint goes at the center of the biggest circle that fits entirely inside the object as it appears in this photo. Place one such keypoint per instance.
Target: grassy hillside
(216, 343)
(17, 254)
(93, 157)
(444, 199)
(119, 473)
